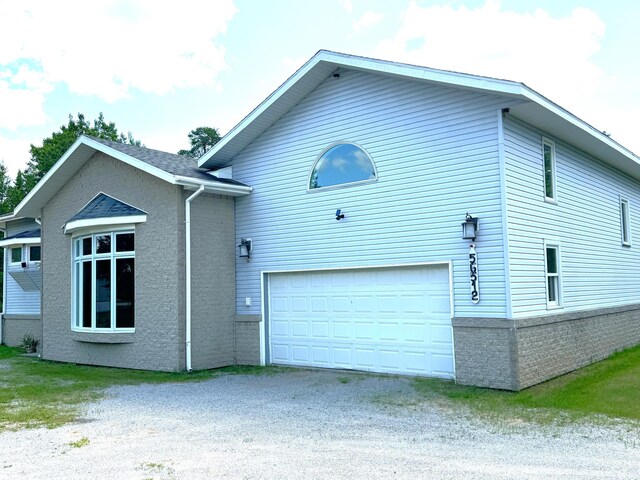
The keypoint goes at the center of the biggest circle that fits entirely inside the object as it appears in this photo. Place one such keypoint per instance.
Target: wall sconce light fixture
(470, 228)
(339, 214)
(245, 248)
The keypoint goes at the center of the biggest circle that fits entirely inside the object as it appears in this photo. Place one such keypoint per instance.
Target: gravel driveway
(306, 425)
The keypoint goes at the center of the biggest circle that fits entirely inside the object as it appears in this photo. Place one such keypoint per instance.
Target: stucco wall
(213, 281)
(158, 341)
(247, 331)
(15, 327)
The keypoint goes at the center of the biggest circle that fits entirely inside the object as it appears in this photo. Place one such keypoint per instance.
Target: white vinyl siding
(18, 301)
(436, 154)
(596, 270)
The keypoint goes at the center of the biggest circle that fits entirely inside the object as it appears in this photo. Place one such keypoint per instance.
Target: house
(325, 231)
(22, 279)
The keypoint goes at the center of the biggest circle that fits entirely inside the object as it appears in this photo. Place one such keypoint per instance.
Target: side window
(342, 163)
(552, 274)
(625, 225)
(35, 253)
(16, 254)
(549, 165)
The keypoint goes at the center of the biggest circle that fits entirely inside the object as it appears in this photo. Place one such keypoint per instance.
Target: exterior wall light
(470, 228)
(245, 248)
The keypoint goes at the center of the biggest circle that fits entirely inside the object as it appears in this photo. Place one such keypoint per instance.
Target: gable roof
(533, 109)
(105, 206)
(174, 169)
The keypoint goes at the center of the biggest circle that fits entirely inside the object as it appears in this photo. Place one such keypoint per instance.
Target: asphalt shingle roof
(169, 162)
(104, 206)
(28, 234)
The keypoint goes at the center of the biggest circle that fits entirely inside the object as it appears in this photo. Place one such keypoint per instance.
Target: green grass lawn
(35, 393)
(610, 387)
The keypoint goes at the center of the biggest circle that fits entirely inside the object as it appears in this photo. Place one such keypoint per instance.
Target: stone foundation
(515, 354)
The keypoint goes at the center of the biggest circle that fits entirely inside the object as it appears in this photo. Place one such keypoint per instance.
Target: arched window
(340, 164)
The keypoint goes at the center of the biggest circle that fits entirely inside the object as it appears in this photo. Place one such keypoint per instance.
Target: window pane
(86, 294)
(552, 289)
(103, 293)
(34, 254)
(124, 242)
(548, 171)
(125, 292)
(86, 246)
(625, 221)
(552, 260)
(16, 255)
(344, 163)
(103, 243)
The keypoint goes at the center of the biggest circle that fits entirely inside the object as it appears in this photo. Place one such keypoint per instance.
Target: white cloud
(346, 5)
(367, 20)
(20, 107)
(551, 55)
(13, 152)
(107, 48)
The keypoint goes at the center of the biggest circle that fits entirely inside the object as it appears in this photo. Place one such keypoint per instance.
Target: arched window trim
(341, 185)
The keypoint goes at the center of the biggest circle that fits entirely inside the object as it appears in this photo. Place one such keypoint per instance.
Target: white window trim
(551, 144)
(625, 222)
(341, 185)
(559, 302)
(113, 255)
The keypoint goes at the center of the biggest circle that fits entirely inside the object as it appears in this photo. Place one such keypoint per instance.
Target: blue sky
(162, 68)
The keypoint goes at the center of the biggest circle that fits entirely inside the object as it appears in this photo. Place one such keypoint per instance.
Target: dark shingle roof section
(28, 234)
(169, 162)
(104, 206)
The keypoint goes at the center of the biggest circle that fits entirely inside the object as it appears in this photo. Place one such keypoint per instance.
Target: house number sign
(473, 273)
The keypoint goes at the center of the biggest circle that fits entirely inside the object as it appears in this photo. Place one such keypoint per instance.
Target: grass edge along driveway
(39, 393)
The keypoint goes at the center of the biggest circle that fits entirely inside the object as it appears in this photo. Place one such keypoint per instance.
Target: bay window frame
(78, 258)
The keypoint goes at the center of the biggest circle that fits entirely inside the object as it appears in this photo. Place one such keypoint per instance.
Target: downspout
(187, 235)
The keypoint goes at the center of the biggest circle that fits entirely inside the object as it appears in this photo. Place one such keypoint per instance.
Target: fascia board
(261, 108)
(577, 122)
(76, 225)
(336, 60)
(213, 187)
(98, 147)
(20, 241)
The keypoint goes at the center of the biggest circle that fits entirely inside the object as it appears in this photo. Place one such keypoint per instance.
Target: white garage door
(380, 319)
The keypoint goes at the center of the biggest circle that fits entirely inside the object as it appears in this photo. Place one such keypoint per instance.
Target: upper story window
(549, 161)
(625, 225)
(341, 164)
(16, 254)
(104, 282)
(35, 253)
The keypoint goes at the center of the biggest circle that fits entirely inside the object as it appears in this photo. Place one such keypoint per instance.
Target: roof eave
(213, 186)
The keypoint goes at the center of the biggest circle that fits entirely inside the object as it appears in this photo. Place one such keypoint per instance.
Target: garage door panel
(387, 320)
(342, 357)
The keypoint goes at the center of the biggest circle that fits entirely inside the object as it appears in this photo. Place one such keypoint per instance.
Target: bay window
(104, 281)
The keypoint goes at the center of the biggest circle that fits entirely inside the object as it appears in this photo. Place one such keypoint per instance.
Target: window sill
(626, 245)
(551, 201)
(103, 337)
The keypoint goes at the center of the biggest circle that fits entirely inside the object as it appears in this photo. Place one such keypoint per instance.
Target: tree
(202, 139)
(53, 147)
(5, 185)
